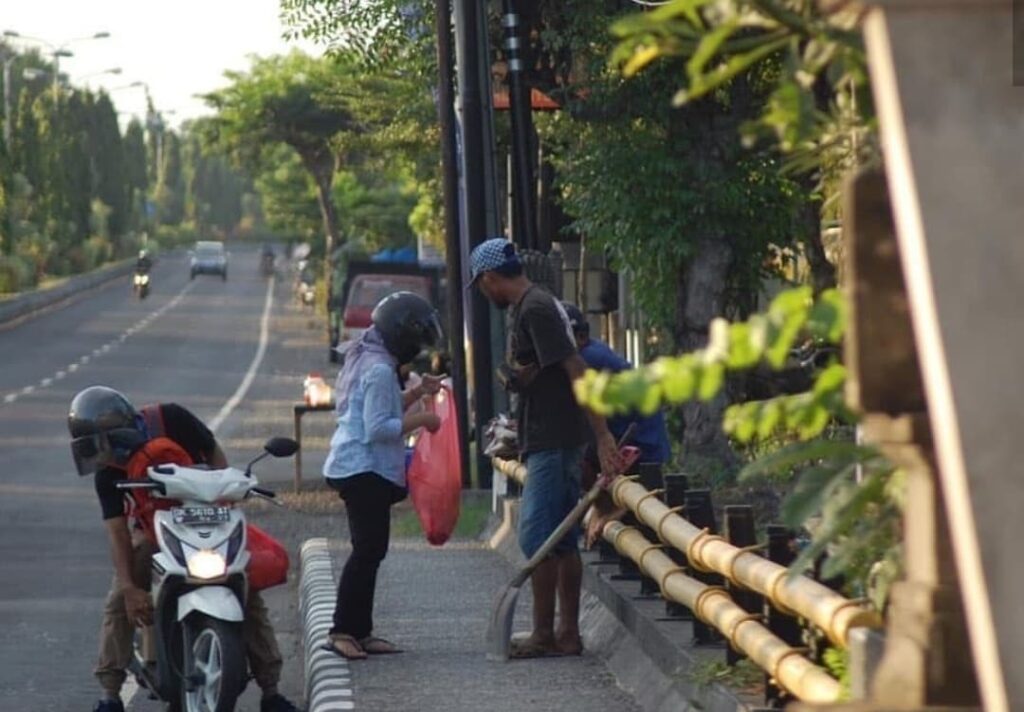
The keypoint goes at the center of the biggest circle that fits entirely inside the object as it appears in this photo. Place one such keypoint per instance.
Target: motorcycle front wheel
(214, 665)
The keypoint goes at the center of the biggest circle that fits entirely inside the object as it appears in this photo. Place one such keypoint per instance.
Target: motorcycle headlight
(207, 564)
(144, 279)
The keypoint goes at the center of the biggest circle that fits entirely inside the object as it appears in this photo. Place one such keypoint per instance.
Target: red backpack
(159, 450)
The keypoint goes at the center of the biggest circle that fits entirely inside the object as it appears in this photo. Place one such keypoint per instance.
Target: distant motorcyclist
(144, 263)
(107, 432)
(267, 257)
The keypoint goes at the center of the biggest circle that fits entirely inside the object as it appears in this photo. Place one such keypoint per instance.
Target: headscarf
(361, 355)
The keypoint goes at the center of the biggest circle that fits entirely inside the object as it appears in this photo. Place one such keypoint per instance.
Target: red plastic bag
(268, 559)
(435, 473)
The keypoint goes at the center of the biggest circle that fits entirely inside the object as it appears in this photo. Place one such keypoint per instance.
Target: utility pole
(468, 44)
(524, 215)
(453, 245)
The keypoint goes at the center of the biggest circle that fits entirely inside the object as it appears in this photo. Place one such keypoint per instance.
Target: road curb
(18, 308)
(328, 680)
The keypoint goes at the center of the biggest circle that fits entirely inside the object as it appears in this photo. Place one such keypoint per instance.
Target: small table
(300, 409)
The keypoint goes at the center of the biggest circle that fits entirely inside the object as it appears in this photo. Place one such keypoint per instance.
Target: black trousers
(368, 499)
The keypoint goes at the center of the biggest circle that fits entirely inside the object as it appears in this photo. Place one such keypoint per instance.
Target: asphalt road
(190, 342)
(193, 343)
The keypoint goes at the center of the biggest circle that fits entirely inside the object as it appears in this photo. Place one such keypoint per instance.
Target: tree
(170, 189)
(107, 156)
(293, 100)
(136, 173)
(819, 111)
(393, 34)
(288, 196)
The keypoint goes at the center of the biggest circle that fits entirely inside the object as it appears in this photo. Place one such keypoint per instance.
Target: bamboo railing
(786, 665)
(793, 595)
(833, 613)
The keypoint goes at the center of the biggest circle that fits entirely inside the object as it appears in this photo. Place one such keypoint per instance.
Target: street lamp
(57, 50)
(113, 70)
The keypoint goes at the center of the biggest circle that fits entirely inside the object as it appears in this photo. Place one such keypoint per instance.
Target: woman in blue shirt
(366, 464)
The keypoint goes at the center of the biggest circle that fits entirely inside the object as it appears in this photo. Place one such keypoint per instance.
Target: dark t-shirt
(549, 416)
(181, 426)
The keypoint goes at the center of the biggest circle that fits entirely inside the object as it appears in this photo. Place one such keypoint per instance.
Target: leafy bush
(16, 274)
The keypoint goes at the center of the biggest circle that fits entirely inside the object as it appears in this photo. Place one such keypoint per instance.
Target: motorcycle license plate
(200, 515)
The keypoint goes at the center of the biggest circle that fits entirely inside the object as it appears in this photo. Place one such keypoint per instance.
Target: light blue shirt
(369, 433)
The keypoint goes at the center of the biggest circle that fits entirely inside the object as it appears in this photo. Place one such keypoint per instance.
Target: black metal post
(739, 530)
(468, 44)
(781, 550)
(675, 496)
(524, 218)
(453, 248)
(701, 513)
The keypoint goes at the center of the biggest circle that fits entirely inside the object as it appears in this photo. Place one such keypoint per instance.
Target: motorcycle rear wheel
(213, 652)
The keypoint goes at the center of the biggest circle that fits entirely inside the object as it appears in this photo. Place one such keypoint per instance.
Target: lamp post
(56, 50)
(112, 70)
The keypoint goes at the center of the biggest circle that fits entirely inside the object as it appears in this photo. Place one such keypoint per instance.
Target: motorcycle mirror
(281, 447)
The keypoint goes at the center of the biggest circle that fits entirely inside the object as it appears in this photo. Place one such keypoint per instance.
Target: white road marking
(250, 375)
(46, 382)
(131, 687)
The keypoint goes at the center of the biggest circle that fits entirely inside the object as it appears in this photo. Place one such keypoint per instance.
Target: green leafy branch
(700, 375)
(811, 60)
(846, 495)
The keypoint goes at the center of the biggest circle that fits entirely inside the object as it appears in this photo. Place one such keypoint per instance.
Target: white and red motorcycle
(194, 658)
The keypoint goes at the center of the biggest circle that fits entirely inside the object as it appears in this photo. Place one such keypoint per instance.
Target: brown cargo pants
(117, 632)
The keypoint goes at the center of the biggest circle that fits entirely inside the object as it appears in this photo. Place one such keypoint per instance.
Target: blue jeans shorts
(552, 490)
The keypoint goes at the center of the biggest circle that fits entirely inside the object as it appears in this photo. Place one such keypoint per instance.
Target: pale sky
(179, 48)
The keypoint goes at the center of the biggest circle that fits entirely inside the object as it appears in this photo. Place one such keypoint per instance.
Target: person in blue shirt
(650, 435)
(366, 464)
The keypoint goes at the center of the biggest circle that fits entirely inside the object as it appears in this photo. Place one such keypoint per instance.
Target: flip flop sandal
(526, 649)
(378, 646)
(332, 646)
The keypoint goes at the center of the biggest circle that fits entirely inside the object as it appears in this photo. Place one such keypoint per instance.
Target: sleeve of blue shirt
(380, 421)
(599, 355)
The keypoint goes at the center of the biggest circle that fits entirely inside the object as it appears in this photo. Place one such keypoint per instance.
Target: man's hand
(138, 605)
(609, 455)
(431, 385)
(602, 512)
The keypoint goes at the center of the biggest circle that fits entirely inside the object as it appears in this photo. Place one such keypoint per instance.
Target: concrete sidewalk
(435, 603)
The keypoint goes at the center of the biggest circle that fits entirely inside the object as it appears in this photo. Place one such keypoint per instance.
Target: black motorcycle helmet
(105, 429)
(408, 325)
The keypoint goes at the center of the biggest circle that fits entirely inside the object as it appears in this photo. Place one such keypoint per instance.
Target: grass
(472, 519)
(744, 676)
